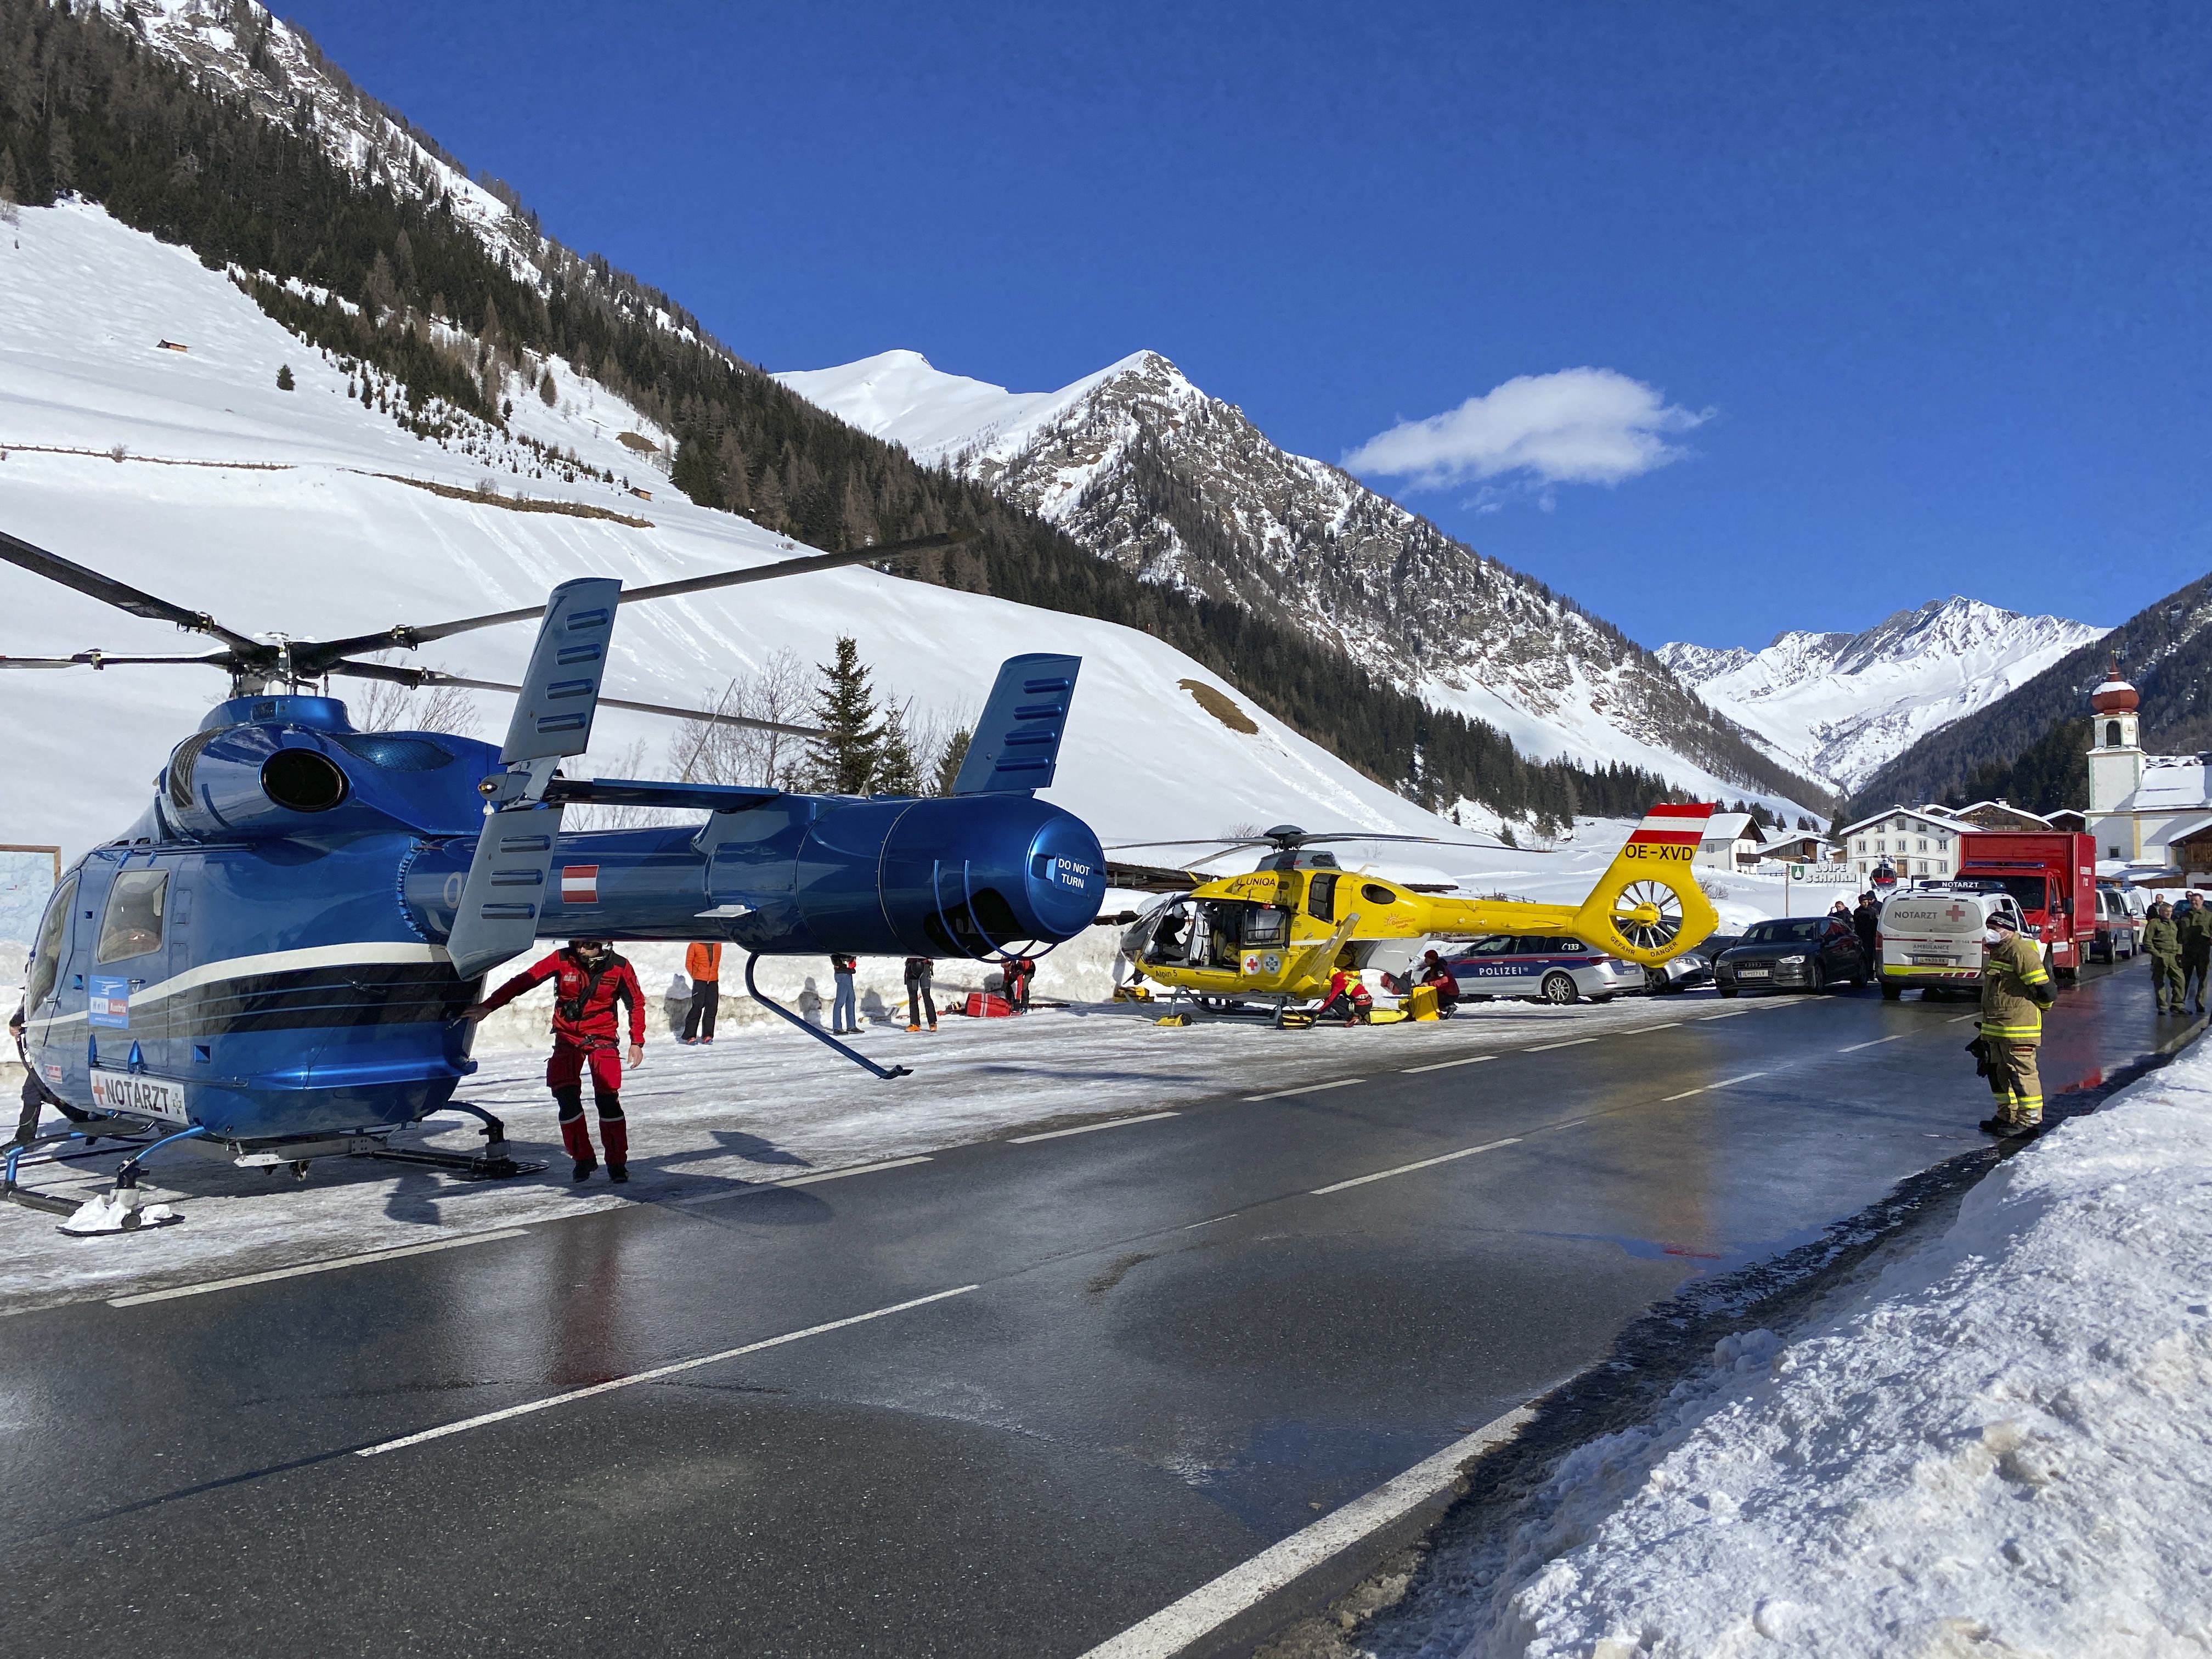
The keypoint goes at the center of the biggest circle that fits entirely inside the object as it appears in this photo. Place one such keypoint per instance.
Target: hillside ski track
(1012, 1399)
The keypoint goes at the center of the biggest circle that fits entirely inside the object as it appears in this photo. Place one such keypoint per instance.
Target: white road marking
(1706, 1088)
(1445, 1065)
(1425, 1164)
(1178, 1625)
(653, 1376)
(315, 1267)
(1963, 1018)
(801, 1179)
(1311, 1088)
(1898, 1036)
(1210, 1220)
(1731, 1014)
(1090, 1128)
(1546, 1048)
(1638, 1031)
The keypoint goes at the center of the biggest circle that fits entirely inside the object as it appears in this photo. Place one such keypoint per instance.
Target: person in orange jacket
(703, 962)
(593, 985)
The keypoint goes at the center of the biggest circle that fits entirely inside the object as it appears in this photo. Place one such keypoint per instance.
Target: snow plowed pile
(2003, 1449)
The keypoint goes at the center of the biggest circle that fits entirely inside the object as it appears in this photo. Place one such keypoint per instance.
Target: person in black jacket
(919, 1002)
(1866, 923)
(36, 1096)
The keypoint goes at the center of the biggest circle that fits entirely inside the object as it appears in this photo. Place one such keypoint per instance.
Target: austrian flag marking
(580, 883)
(1672, 823)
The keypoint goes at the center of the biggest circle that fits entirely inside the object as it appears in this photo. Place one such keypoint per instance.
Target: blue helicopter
(273, 961)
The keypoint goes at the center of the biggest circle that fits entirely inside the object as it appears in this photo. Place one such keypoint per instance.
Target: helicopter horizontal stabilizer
(1016, 748)
(506, 890)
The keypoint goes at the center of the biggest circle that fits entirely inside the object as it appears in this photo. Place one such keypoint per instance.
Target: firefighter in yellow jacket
(2016, 990)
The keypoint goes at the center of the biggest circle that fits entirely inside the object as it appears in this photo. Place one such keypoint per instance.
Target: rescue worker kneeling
(1348, 1000)
(593, 983)
(2016, 990)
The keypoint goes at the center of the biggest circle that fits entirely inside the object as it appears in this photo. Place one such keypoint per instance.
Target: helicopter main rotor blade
(1226, 846)
(417, 678)
(121, 595)
(109, 660)
(312, 657)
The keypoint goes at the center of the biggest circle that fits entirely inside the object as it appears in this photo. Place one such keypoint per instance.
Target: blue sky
(1888, 301)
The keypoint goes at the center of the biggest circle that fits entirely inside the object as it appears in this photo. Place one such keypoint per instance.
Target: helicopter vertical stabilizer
(1016, 748)
(508, 877)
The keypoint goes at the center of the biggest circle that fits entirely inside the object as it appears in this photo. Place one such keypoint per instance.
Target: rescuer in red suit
(593, 983)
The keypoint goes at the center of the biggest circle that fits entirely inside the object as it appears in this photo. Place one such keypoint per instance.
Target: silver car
(1549, 968)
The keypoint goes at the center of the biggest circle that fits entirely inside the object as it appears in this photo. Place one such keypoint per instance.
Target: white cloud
(1576, 426)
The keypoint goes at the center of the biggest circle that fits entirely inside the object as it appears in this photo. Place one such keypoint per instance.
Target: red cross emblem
(1956, 913)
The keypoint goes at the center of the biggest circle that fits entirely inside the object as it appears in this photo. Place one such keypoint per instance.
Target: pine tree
(897, 772)
(696, 473)
(948, 763)
(284, 377)
(844, 760)
(546, 393)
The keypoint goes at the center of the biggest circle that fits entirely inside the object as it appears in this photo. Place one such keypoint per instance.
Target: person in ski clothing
(1348, 999)
(2016, 990)
(1020, 972)
(1441, 980)
(845, 1009)
(2193, 922)
(703, 964)
(2161, 942)
(919, 1002)
(1866, 923)
(593, 986)
(36, 1096)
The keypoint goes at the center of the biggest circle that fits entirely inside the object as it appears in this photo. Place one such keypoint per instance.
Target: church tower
(2116, 766)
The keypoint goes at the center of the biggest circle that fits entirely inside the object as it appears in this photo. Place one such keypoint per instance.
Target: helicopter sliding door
(131, 951)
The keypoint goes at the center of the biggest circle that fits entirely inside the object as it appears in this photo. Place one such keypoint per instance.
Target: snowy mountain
(191, 474)
(1140, 465)
(1839, 706)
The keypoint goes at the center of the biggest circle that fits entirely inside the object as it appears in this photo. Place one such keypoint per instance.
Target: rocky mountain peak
(1181, 488)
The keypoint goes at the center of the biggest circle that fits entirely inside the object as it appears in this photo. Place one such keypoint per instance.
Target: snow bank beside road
(2002, 1449)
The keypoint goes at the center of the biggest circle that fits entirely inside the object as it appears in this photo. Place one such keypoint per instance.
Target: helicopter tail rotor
(1648, 907)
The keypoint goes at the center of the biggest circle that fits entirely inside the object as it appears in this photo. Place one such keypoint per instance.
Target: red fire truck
(2053, 876)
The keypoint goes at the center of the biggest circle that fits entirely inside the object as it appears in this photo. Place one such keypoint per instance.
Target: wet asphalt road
(1175, 1353)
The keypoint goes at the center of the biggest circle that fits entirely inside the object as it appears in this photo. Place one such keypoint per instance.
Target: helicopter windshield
(46, 953)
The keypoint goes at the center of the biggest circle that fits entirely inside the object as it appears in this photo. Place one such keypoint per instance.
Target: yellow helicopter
(1281, 932)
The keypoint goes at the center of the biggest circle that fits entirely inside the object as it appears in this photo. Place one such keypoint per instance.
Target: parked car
(1792, 953)
(2119, 928)
(1694, 967)
(1548, 968)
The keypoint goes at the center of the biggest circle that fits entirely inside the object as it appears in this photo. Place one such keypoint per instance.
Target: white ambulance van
(1931, 937)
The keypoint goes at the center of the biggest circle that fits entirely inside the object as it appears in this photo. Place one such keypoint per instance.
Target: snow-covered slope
(1839, 704)
(192, 476)
(1143, 467)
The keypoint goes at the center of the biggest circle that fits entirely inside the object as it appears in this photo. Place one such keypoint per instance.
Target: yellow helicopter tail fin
(1648, 906)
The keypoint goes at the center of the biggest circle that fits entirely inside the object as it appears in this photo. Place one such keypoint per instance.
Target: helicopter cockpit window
(47, 952)
(1168, 940)
(1266, 924)
(1374, 895)
(132, 925)
(1321, 896)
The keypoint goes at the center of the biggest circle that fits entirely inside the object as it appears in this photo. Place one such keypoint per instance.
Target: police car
(1550, 968)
